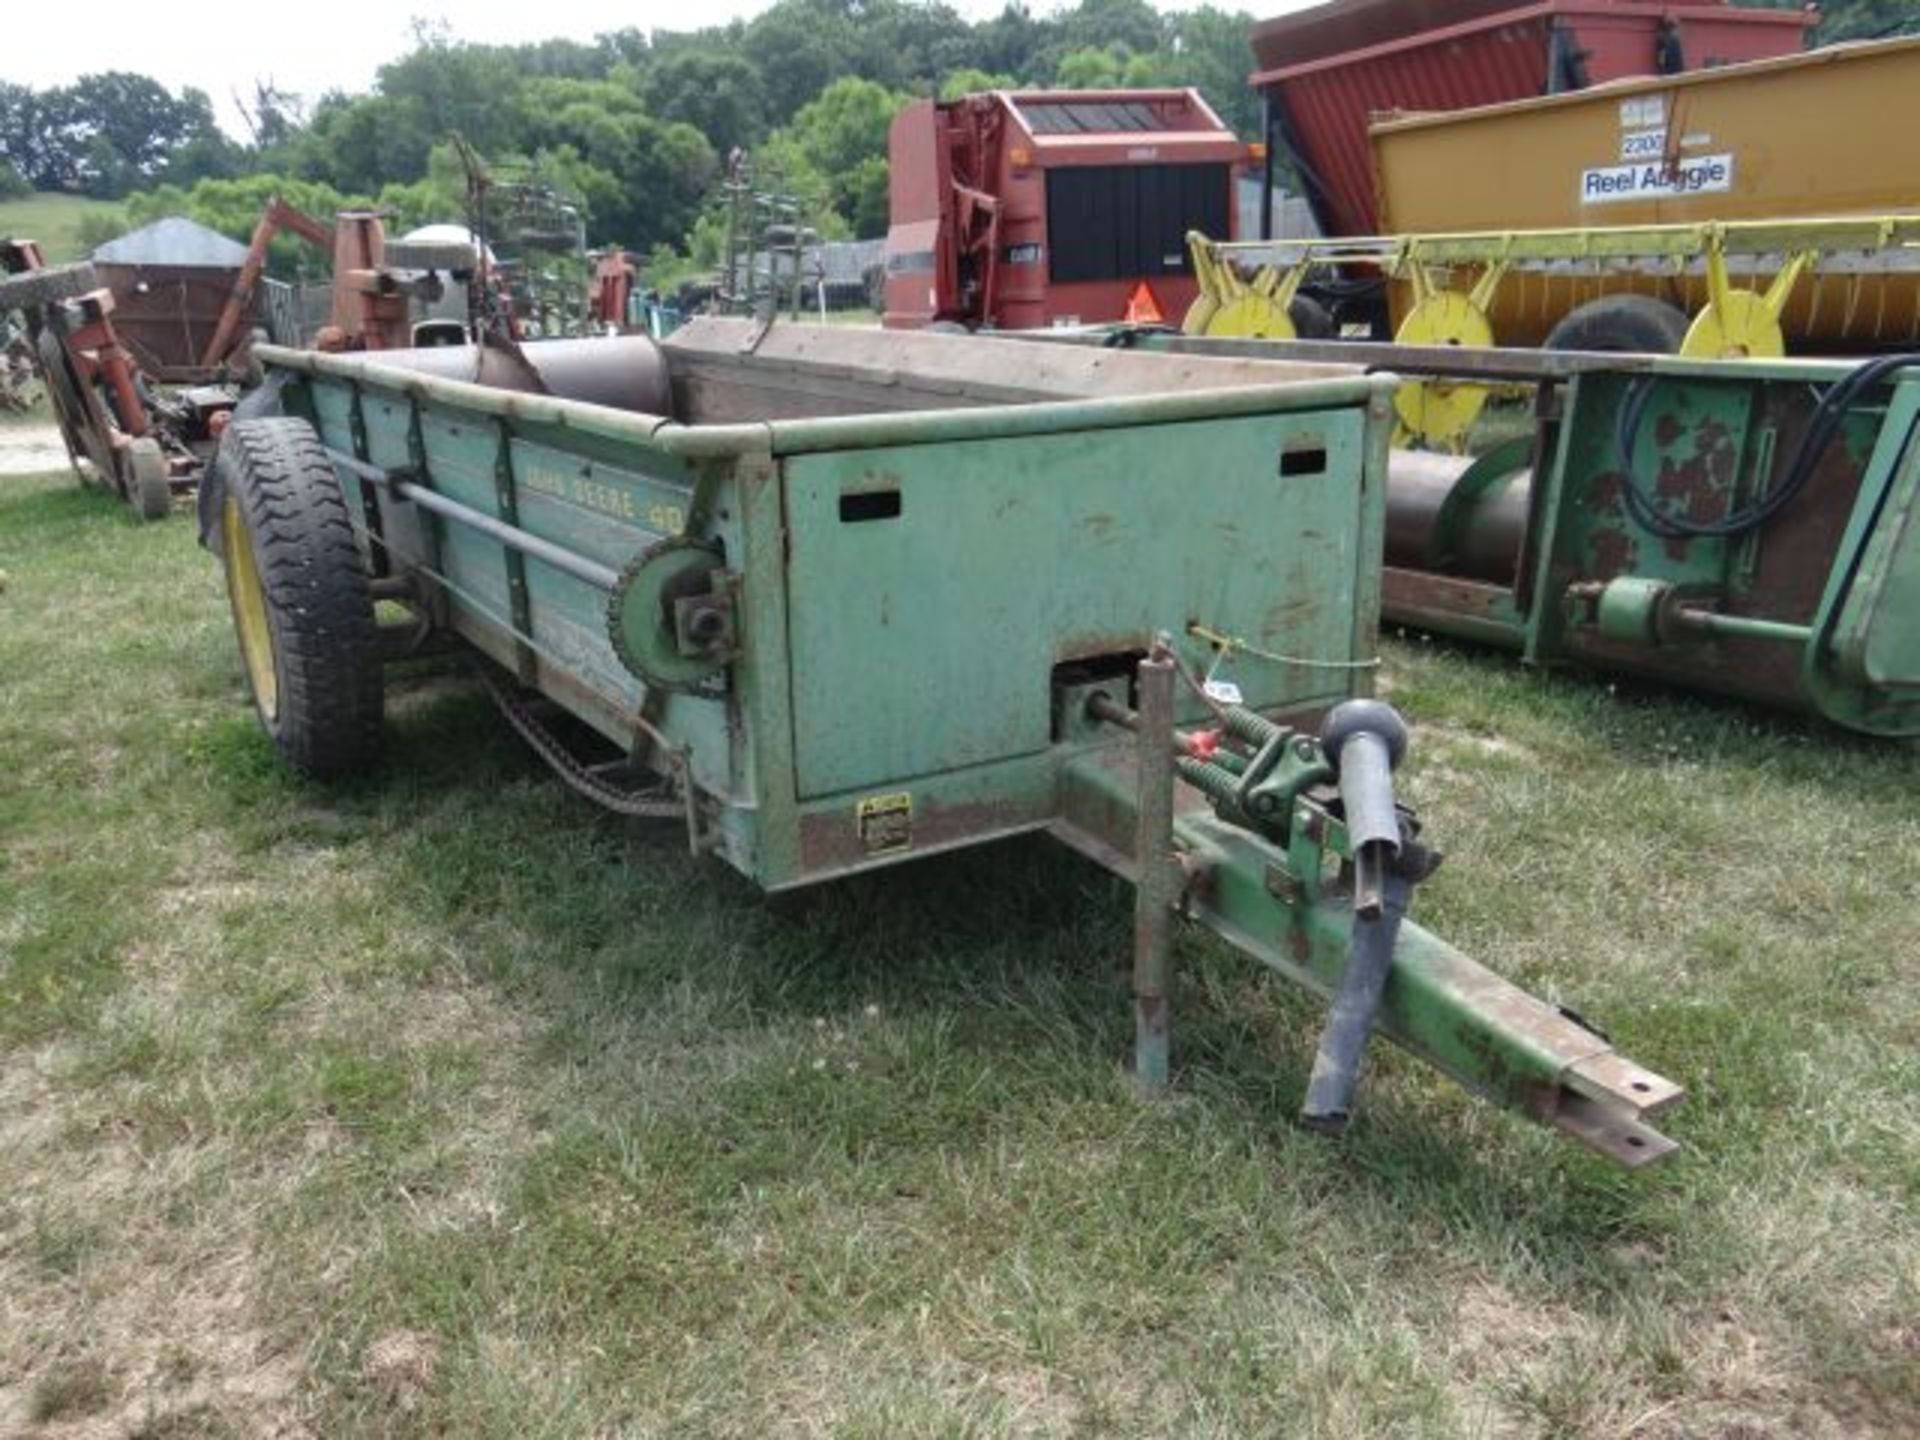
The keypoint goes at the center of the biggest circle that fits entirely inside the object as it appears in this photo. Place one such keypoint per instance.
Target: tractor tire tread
(1621, 325)
(1311, 320)
(319, 603)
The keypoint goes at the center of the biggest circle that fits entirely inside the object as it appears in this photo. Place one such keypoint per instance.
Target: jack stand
(1157, 888)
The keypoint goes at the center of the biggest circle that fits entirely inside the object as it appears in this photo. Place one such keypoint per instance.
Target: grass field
(53, 220)
(439, 1104)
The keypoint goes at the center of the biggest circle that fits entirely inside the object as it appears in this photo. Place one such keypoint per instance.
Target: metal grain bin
(169, 281)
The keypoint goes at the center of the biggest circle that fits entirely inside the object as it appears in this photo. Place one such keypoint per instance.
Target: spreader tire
(1622, 325)
(302, 608)
(33, 288)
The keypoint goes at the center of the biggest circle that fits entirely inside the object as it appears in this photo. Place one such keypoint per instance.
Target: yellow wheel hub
(1251, 315)
(1231, 304)
(1738, 325)
(248, 597)
(1442, 411)
(1743, 324)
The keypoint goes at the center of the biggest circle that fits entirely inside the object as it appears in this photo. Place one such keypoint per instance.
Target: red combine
(1323, 73)
(1019, 210)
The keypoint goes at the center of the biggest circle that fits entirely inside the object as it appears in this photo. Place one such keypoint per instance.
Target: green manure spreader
(836, 599)
(1748, 528)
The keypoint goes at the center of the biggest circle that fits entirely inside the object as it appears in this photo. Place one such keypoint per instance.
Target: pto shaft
(1366, 739)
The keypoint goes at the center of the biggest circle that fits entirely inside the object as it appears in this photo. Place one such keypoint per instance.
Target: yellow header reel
(1228, 305)
(1441, 411)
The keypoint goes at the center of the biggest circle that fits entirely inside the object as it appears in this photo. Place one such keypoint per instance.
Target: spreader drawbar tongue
(1255, 864)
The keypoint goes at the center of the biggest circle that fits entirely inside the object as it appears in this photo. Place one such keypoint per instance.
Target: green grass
(53, 220)
(439, 1103)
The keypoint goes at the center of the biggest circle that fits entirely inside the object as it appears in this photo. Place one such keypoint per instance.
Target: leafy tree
(627, 46)
(1102, 24)
(799, 47)
(633, 124)
(103, 135)
(566, 59)
(905, 45)
(209, 155)
(846, 124)
(274, 117)
(1013, 43)
(1207, 49)
(449, 88)
(843, 136)
(438, 196)
(135, 119)
(362, 143)
(643, 179)
(969, 81)
(1859, 19)
(96, 227)
(233, 208)
(25, 135)
(716, 93)
(13, 185)
(1092, 69)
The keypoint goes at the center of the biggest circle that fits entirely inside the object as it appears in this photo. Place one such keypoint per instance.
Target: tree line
(635, 128)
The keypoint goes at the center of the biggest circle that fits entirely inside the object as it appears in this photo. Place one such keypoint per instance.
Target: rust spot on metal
(1418, 597)
(1697, 488)
(1097, 527)
(830, 840)
(1781, 584)
(1527, 1092)
(1089, 644)
(1614, 553)
(1283, 617)
(1603, 491)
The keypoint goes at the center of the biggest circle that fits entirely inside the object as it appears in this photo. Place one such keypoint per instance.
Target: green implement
(1749, 528)
(861, 598)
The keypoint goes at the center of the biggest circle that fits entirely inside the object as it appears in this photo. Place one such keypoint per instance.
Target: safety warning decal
(885, 822)
(1657, 180)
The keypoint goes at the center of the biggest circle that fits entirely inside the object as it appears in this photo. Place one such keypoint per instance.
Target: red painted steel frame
(969, 179)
